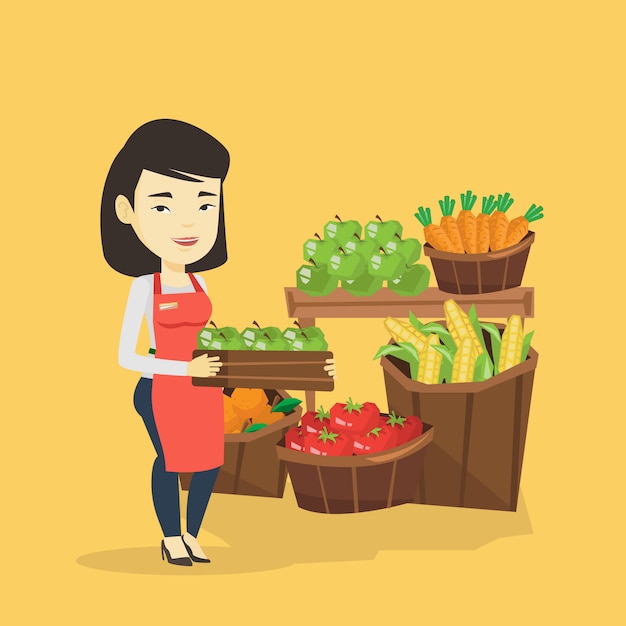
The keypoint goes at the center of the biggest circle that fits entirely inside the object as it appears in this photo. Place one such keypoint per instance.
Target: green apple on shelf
(347, 266)
(412, 282)
(383, 231)
(342, 232)
(365, 247)
(315, 280)
(320, 250)
(386, 265)
(364, 285)
(410, 249)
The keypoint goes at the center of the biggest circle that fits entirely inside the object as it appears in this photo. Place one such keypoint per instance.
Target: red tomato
(326, 443)
(354, 418)
(313, 422)
(294, 439)
(407, 428)
(378, 439)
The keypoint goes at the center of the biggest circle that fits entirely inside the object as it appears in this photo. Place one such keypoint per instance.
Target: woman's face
(175, 219)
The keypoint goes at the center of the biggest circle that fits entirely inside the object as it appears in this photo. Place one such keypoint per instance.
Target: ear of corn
(404, 332)
(445, 371)
(464, 362)
(429, 362)
(512, 341)
(460, 326)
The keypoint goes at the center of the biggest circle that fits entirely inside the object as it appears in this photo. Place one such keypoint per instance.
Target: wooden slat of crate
(303, 370)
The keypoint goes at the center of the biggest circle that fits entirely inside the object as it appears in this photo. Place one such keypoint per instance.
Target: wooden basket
(251, 466)
(349, 484)
(480, 273)
(476, 457)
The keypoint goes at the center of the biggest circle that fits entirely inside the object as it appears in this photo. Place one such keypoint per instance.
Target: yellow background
(329, 107)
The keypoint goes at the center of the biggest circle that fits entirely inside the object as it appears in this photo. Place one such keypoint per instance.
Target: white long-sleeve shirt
(139, 304)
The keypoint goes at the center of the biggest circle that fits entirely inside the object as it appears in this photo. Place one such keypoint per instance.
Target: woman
(162, 218)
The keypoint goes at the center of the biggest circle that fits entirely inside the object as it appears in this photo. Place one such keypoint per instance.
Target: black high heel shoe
(183, 560)
(193, 557)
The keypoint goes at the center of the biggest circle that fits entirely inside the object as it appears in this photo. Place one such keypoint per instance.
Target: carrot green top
(504, 202)
(447, 206)
(423, 216)
(467, 200)
(489, 205)
(534, 213)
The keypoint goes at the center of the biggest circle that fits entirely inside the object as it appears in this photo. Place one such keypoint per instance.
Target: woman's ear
(123, 210)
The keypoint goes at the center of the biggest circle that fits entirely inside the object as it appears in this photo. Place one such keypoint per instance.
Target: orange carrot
(435, 235)
(499, 222)
(518, 228)
(467, 223)
(448, 223)
(482, 224)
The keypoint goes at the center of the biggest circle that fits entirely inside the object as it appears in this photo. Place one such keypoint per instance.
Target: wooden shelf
(429, 304)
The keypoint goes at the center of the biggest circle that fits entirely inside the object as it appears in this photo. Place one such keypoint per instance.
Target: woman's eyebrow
(163, 194)
(206, 193)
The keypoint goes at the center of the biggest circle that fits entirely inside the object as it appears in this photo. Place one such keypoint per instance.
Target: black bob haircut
(160, 146)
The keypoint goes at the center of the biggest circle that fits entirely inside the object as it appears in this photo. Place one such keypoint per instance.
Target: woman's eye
(206, 207)
(160, 209)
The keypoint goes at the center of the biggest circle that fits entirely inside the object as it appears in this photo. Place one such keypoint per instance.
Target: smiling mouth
(185, 241)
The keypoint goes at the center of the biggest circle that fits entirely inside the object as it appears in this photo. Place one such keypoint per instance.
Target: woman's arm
(131, 326)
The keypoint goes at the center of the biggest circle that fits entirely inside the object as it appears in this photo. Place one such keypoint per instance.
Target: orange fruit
(232, 421)
(248, 402)
(266, 416)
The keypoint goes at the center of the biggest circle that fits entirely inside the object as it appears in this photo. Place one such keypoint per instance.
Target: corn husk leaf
(413, 357)
(496, 342)
(414, 321)
(445, 371)
(483, 369)
(443, 334)
(403, 351)
(526, 345)
(389, 348)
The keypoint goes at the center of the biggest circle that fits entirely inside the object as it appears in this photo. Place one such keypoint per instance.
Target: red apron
(189, 419)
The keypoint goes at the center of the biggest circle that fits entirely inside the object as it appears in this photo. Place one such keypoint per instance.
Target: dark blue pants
(165, 494)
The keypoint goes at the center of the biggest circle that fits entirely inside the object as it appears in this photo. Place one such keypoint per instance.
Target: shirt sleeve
(131, 327)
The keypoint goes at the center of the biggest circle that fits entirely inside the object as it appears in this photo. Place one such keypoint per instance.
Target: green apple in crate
(272, 340)
(410, 249)
(254, 332)
(383, 231)
(412, 282)
(386, 265)
(364, 285)
(315, 280)
(225, 338)
(347, 266)
(342, 232)
(309, 338)
(320, 250)
(291, 334)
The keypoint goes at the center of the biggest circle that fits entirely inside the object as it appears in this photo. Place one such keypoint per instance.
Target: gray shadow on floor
(271, 533)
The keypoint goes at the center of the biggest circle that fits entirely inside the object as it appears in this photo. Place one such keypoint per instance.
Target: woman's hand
(204, 366)
(330, 368)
